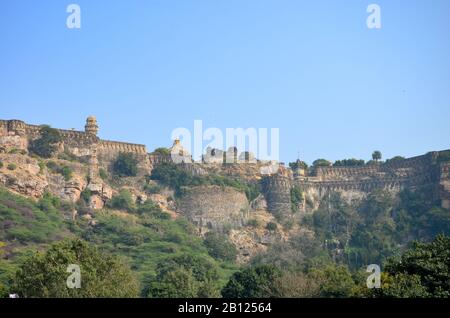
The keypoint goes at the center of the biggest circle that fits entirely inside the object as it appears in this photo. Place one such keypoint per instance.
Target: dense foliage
(101, 275)
(125, 165)
(173, 176)
(47, 144)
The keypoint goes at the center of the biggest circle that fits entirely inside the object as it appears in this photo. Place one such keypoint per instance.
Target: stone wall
(356, 182)
(214, 207)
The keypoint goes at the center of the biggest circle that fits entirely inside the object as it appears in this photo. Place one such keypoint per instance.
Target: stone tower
(91, 126)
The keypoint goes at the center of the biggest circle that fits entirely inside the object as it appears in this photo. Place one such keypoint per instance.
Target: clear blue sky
(335, 88)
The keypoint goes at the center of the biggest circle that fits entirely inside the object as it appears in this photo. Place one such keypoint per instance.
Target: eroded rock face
(101, 192)
(13, 142)
(214, 207)
(21, 174)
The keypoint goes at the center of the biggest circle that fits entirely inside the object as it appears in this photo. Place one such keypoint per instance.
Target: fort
(354, 181)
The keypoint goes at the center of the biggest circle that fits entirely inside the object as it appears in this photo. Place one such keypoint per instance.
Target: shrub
(220, 247)
(1, 164)
(103, 174)
(296, 198)
(125, 165)
(47, 144)
(253, 223)
(65, 171)
(152, 188)
(271, 226)
(12, 166)
(123, 201)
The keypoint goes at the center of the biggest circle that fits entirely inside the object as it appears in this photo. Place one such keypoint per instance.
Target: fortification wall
(356, 182)
(277, 191)
(213, 207)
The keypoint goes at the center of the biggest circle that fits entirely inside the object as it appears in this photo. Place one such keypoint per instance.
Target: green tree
(102, 275)
(422, 271)
(376, 155)
(335, 281)
(125, 165)
(47, 144)
(185, 275)
(321, 163)
(252, 282)
(220, 247)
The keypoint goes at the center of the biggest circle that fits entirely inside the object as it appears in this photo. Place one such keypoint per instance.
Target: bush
(12, 166)
(47, 144)
(271, 226)
(103, 174)
(253, 282)
(253, 223)
(152, 188)
(65, 171)
(296, 198)
(1, 164)
(125, 165)
(123, 201)
(349, 163)
(220, 247)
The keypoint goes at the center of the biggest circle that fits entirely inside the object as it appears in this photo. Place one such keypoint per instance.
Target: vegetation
(184, 276)
(296, 198)
(173, 176)
(122, 201)
(103, 174)
(422, 271)
(63, 170)
(298, 165)
(220, 247)
(321, 163)
(12, 166)
(27, 221)
(349, 163)
(125, 165)
(376, 156)
(102, 275)
(47, 144)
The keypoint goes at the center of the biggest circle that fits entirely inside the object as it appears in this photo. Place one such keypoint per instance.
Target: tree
(349, 163)
(252, 282)
(335, 281)
(220, 247)
(102, 275)
(184, 276)
(125, 165)
(321, 163)
(47, 144)
(422, 271)
(376, 155)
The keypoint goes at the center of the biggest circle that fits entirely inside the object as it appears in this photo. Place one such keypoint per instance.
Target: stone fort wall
(16, 134)
(356, 182)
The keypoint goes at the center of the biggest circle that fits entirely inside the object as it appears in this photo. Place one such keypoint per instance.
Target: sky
(335, 88)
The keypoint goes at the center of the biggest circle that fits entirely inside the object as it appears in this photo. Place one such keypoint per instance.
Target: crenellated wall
(356, 182)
